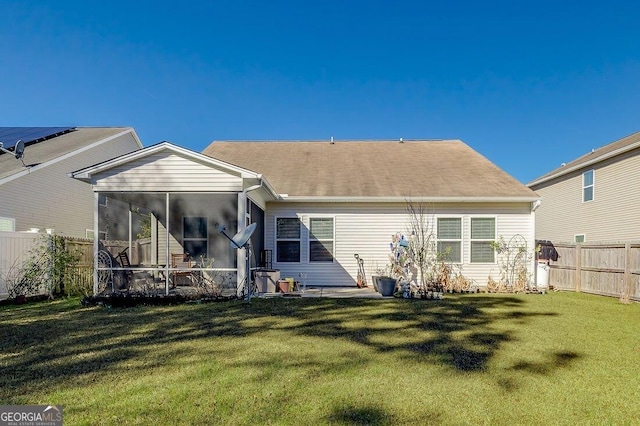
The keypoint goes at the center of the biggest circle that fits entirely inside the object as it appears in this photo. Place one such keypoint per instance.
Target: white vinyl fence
(15, 250)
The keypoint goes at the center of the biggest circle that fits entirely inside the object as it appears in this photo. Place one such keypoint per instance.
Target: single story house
(594, 198)
(316, 205)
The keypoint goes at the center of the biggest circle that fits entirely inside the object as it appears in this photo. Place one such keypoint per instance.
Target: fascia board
(86, 173)
(591, 162)
(300, 199)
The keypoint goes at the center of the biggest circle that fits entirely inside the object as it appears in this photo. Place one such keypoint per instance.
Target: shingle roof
(42, 152)
(443, 168)
(604, 152)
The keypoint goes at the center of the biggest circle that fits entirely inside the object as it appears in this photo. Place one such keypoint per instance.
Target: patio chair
(127, 274)
(181, 277)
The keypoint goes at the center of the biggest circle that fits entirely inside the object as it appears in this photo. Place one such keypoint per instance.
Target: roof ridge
(401, 140)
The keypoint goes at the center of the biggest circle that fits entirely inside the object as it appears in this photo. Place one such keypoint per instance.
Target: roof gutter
(262, 183)
(301, 199)
(265, 183)
(252, 188)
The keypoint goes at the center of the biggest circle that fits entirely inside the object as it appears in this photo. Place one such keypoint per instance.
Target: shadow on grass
(553, 362)
(459, 332)
(49, 343)
(367, 415)
(353, 414)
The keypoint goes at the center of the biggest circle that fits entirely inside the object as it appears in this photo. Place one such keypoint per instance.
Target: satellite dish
(241, 238)
(18, 151)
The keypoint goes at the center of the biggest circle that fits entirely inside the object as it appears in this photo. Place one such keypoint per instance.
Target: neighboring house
(37, 193)
(316, 204)
(594, 198)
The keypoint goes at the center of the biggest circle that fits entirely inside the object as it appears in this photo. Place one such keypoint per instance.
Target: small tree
(45, 271)
(422, 241)
(61, 261)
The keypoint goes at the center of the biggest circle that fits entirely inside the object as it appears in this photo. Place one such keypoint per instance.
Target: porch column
(167, 258)
(96, 240)
(242, 223)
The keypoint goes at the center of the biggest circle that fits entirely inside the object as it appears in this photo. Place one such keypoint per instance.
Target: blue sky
(527, 84)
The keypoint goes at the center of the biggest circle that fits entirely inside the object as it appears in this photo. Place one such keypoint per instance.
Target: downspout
(534, 266)
(254, 187)
(247, 266)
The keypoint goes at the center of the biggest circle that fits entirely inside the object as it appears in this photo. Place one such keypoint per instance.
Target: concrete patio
(331, 292)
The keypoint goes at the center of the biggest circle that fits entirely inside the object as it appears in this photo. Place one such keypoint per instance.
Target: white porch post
(96, 240)
(167, 254)
(130, 233)
(240, 263)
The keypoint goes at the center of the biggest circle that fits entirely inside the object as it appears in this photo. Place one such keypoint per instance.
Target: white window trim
(12, 221)
(584, 238)
(592, 186)
(461, 240)
(276, 239)
(471, 240)
(309, 239)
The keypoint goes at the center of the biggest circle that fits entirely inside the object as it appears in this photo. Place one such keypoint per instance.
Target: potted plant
(387, 285)
(397, 269)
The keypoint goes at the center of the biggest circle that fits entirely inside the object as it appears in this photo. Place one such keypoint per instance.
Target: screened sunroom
(160, 219)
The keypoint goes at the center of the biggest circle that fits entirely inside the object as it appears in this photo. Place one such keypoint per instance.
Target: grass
(561, 358)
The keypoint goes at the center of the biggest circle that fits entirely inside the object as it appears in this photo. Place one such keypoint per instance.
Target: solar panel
(9, 136)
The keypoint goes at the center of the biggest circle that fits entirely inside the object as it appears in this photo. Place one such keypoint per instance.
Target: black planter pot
(387, 286)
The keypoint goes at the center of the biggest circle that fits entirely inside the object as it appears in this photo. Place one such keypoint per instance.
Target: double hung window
(195, 236)
(7, 224)
(288, 239)
(587, 186)
(483, 233)
(450, 239)
(321, 239)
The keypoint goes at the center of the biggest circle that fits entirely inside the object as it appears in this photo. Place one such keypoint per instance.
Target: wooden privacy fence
(609, 269)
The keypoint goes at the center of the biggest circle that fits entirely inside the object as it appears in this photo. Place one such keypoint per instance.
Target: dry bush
(493, 286)
(443, 276)
(461, 283)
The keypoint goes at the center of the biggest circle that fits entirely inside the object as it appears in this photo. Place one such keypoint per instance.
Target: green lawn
(560, 358)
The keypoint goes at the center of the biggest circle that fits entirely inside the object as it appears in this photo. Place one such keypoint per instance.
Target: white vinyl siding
(483, 233)
(611, 216)
(48, 198)
(321, 238)
(450, 239)
(587, 185)
(166, 172)
(288, 239)
(366, 229)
